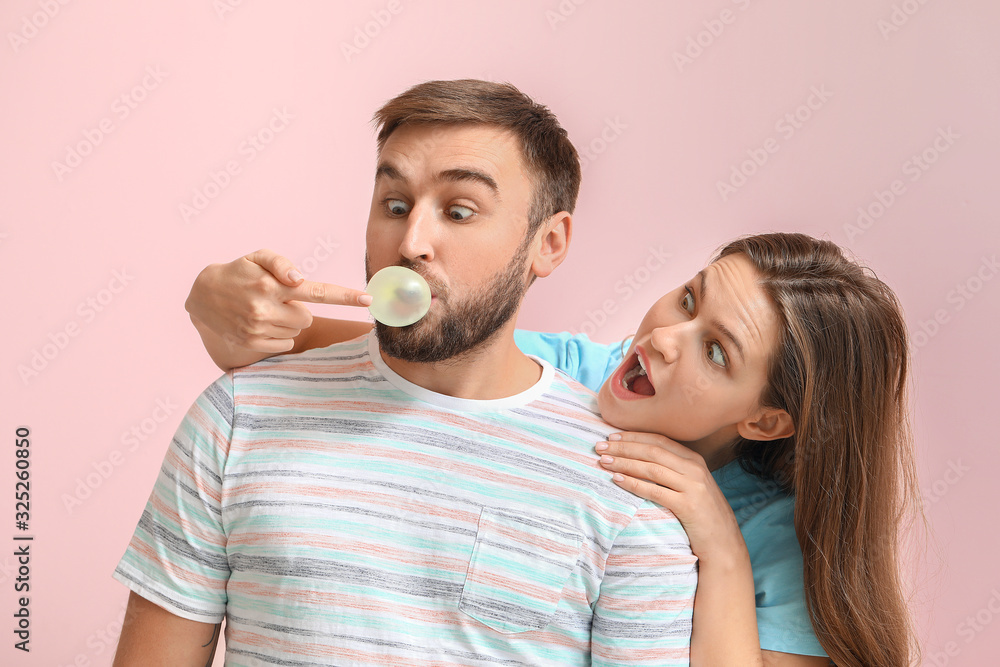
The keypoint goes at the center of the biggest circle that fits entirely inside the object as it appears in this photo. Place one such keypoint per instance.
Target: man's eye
(687, 303)
(459, 213)
(397, 206)
(716, 354)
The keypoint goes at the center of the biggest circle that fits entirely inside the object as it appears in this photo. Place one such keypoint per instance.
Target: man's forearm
(153, 637)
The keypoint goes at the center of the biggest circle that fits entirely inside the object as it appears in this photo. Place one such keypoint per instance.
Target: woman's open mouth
(630, 381)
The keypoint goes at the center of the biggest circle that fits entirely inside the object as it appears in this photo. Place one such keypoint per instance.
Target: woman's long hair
(840, 371)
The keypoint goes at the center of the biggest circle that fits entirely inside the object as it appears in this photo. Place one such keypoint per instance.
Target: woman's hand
(253, 303)
(658, 469)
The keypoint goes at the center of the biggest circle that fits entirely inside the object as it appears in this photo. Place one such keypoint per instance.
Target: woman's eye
(716, 355)
(687, 303)
(397, 206)
(459, 213)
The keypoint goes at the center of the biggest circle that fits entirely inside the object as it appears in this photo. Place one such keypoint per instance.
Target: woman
(798, 410)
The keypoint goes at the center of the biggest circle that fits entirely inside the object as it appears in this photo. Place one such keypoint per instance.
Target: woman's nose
(666, 341)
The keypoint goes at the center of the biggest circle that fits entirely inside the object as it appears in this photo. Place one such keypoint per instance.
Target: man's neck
(496, 369)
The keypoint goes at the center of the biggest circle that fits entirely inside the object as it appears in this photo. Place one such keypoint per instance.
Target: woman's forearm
(725, 614)
(323, 331)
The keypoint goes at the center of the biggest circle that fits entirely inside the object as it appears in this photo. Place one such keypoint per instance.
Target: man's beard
(460, 326)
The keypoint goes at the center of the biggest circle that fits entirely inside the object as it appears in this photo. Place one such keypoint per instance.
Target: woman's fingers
(292, 315)
(266, 345)
(660, 495)
(314, 292)
(644, 452)
(282, 269)
(654, 439)
(636, 444)
(653, 472)
(278, 266)
(268, 331)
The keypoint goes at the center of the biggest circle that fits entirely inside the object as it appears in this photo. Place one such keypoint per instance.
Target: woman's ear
(768, 424)
(551, 244)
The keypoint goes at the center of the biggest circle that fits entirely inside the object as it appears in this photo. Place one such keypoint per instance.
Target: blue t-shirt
(764, 512)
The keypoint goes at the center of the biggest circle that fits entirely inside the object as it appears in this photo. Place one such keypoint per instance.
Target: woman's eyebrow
(702, 290)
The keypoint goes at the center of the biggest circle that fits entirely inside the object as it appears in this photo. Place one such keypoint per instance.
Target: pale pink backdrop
(116, 115)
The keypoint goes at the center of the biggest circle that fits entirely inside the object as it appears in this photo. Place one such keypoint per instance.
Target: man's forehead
(479, 148)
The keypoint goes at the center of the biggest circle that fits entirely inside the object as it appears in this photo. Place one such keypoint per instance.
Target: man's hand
(153, 637)
(254, 303)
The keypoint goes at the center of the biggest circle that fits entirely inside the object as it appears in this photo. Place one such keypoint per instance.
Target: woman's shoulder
(766, 516)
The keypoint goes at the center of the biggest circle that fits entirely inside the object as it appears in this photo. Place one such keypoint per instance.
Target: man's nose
(418, 239)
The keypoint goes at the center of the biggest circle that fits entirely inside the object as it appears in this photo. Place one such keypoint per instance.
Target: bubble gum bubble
(400, 296)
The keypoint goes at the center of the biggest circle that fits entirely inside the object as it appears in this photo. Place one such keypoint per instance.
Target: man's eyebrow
(460, 174)
(388, 171)
(702, 290)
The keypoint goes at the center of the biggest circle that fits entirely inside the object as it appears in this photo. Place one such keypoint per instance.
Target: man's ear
(551, 243)
(768, 424)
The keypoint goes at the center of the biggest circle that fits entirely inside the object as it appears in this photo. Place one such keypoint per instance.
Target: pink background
(885, 80)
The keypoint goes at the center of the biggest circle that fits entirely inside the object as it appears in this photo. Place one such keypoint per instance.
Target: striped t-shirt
(336, 514)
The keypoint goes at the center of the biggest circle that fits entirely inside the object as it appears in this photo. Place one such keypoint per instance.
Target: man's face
(451, 203)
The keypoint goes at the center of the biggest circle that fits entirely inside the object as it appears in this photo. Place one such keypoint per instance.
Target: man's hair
(551, 159)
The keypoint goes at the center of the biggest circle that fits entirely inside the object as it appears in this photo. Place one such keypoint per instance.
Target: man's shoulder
(332, 356)
(576, 400)
(325, 364)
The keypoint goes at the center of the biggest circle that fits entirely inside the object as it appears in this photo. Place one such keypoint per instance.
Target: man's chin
(418, 342)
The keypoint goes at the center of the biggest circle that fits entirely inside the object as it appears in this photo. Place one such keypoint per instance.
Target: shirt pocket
(519, 567)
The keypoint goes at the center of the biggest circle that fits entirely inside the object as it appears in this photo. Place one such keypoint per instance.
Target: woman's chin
(621, 414)
(606, 404)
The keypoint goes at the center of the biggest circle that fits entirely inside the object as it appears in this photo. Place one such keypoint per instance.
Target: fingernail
(601, 446)
(295, 276)
(607, 459)
(615, 436)
(365, 299)
(618, 477)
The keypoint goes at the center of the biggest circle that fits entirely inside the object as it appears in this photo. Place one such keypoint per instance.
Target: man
(424, 495)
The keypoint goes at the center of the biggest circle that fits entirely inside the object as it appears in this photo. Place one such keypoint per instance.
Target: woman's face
(705, 348)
